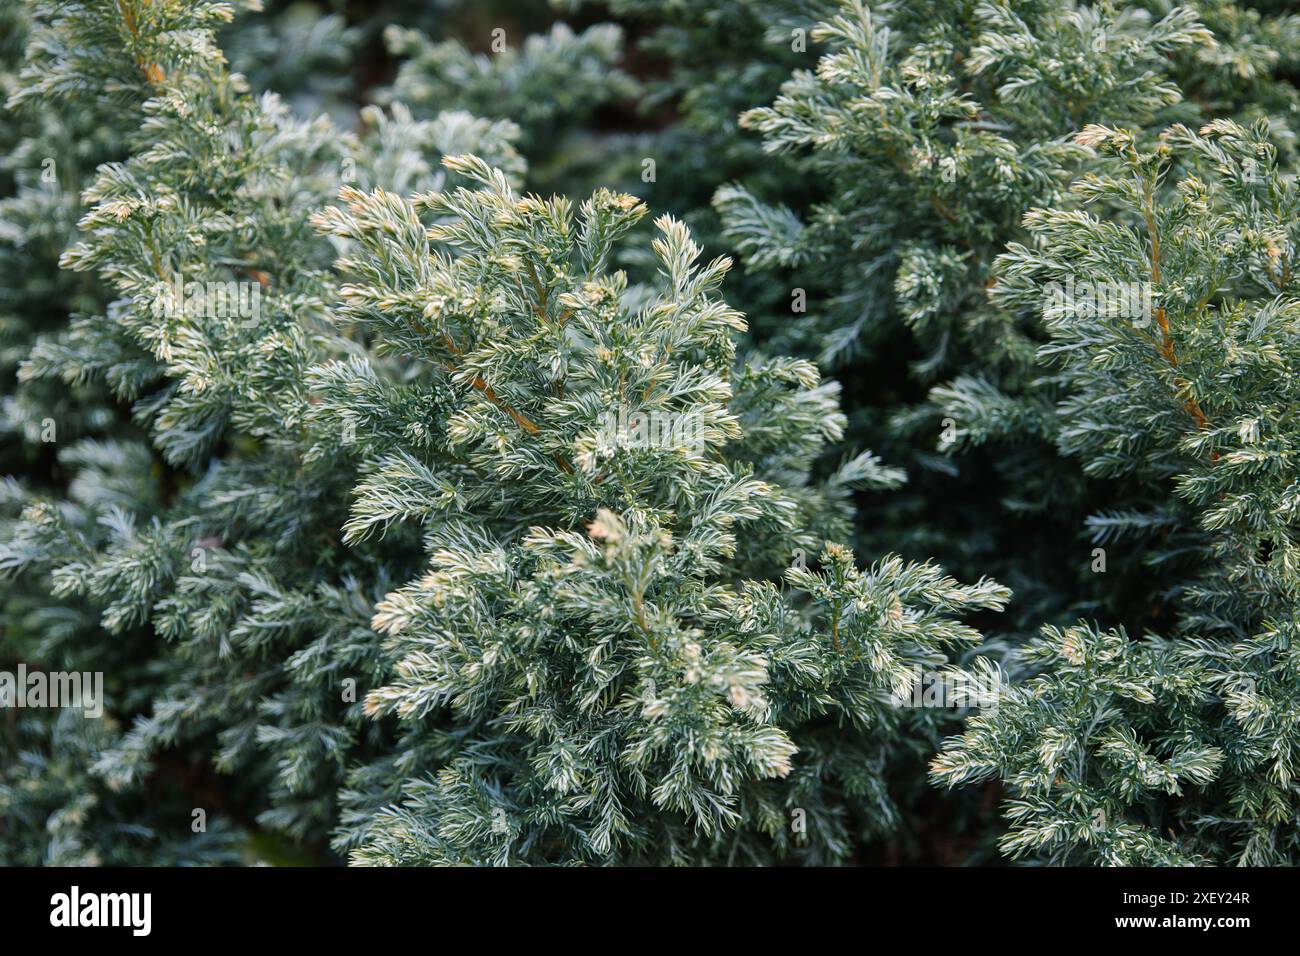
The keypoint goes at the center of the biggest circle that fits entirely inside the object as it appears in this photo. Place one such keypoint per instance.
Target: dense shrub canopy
(422, 420)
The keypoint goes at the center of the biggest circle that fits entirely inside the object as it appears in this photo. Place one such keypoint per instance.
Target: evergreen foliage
(1180, 747)
(423, 499)
(617, 694)
(935, 128)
